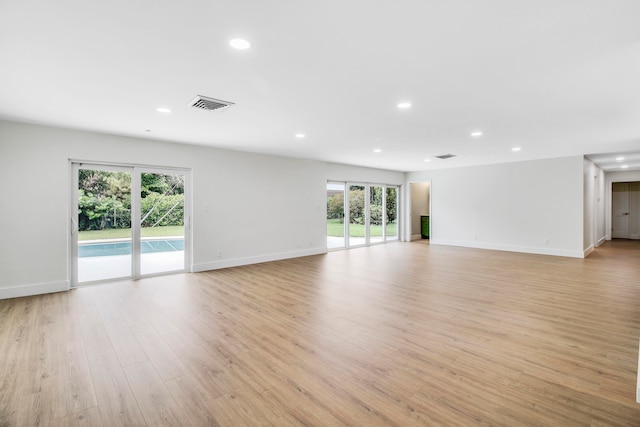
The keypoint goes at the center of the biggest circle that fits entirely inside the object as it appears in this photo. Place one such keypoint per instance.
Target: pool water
(124, 248)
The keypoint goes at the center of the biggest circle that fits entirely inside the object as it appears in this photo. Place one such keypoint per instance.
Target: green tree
(375, 205)
(392, 210)
(356, 205)
(335, 206)
(104, 199)
(161, 184)
(161, 210)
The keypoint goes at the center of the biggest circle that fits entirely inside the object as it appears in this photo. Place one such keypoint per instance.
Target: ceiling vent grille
(445, 156)
(209, 104)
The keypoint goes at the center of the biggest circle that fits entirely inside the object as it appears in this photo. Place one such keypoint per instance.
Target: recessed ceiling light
(377, 150)
(427, 160)
(619, 159)
(240, 44)
(300, 135)
(164, 110)
(516, 149)
(476, 134)
(404, 105)
(624, 166)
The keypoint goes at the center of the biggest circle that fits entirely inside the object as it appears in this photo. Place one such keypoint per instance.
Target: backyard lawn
(335, 228)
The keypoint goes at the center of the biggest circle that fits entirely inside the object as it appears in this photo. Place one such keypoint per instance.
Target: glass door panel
(357, 215)
(103, 224)
(162, 222)
(391, 213)
(335, 215)
(376, 195)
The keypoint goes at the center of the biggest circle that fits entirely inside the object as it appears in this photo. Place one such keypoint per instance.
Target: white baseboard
(236, 262)
(510, 248)
(588, 251)
(601, 240)
(416, 237)
(638, 382)
(34, 289)
(634, 236)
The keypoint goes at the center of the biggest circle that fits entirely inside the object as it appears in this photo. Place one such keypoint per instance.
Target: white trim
(108, 166)
(236, 262)
(72, 231)
(510, 248)
(634, 236)
(136, 208)
(588, 251)
(638, 381)
(34, 289)
(610, 178)
(602, 240)
(416, 237)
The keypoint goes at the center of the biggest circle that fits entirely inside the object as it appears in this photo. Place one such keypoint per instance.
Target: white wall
(419, 192)
(249, 207)
(594, 202)
(533, 206)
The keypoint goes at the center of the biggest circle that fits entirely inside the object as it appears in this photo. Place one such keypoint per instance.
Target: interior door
(620, 208)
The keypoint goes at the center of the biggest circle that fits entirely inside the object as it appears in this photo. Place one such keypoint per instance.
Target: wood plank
(117, 405)
(154, 399)
(87, 418)
(124, 343)
(402, 334)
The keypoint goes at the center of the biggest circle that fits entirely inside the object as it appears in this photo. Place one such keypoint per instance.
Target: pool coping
(128, 239)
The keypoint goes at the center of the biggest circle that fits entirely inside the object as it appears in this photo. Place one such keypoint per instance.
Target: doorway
(625, 210)
(128, 222)
(420, 210)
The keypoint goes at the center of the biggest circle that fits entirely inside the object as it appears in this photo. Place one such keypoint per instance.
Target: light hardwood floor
(398, 334)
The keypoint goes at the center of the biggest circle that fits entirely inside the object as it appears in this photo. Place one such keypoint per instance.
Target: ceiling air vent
(209, 104)
(445, 156)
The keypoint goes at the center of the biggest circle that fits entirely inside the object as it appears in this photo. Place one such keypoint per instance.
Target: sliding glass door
(127, 222)
(369, 210)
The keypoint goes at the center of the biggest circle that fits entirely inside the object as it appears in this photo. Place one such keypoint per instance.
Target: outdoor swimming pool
(124, 248)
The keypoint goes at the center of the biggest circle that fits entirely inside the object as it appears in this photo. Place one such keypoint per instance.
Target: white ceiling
(554, 77)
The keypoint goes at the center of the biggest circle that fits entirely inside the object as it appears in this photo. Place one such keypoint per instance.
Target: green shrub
(160, 210)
